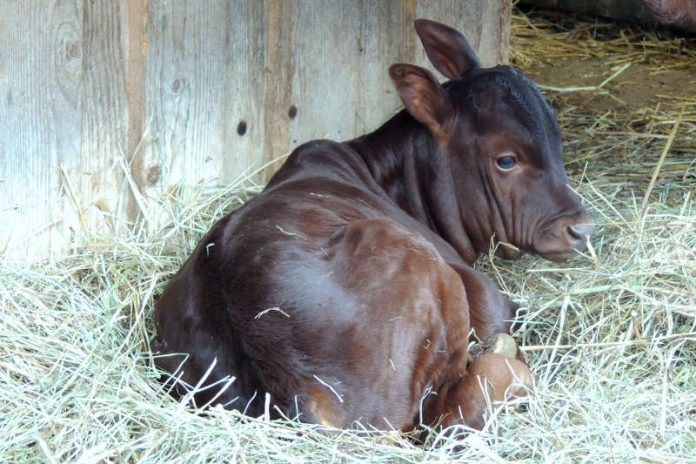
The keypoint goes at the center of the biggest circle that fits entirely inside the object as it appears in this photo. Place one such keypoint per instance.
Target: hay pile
(611, 335)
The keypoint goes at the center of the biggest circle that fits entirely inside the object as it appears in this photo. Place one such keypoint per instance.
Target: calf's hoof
(500, 343)
(493, 378)
(503, 377)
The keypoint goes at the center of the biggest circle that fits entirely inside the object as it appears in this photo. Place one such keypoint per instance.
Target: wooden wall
(187, 91)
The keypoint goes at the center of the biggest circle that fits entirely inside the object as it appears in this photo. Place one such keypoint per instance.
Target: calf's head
(502, 148)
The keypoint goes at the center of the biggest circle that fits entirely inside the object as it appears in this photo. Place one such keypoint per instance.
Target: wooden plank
(102, 190)
(66, 122)
(136, 45)
(185, 88)
(40, 74)
(203, 93)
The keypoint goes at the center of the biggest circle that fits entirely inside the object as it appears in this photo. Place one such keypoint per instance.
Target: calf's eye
(506, 162)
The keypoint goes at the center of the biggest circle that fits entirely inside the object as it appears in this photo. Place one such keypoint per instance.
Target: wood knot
(154, 174)
(73, 50)
(242, 128)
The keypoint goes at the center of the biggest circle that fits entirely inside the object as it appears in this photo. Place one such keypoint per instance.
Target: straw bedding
(611, 335)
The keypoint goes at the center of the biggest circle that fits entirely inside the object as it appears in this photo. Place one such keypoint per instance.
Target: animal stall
(609, 335)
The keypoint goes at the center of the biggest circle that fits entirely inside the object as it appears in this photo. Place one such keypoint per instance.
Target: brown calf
(345, 289)
(678, 12)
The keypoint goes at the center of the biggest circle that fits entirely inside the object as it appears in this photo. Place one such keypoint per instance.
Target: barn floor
(611, 335)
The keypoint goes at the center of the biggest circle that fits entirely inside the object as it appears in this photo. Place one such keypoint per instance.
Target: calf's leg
(490, 312)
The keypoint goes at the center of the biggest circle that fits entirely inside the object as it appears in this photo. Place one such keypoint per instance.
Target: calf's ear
(423, 97)
(447, 49)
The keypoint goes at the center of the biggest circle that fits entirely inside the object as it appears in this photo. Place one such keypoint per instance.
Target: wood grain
(40, 75)
(99, 176)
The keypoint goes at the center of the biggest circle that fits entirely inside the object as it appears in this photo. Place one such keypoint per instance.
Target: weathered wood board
(101, 99)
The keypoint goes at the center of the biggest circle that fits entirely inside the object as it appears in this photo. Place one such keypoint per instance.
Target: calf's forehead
(505, 101)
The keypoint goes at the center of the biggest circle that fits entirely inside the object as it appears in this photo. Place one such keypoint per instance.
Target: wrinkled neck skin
(416, 173)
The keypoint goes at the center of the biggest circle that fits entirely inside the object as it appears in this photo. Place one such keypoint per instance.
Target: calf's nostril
(580, 231)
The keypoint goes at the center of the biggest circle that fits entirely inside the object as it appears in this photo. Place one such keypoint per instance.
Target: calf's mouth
(564, 236)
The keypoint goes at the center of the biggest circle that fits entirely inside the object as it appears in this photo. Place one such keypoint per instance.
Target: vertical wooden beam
(407, 39)
(278, 73)
(504, 25)
(41, 73)
(135, 73)
(185, 91)
(136, 49)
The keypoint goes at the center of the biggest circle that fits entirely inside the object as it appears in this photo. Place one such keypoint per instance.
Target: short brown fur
(345, 289)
